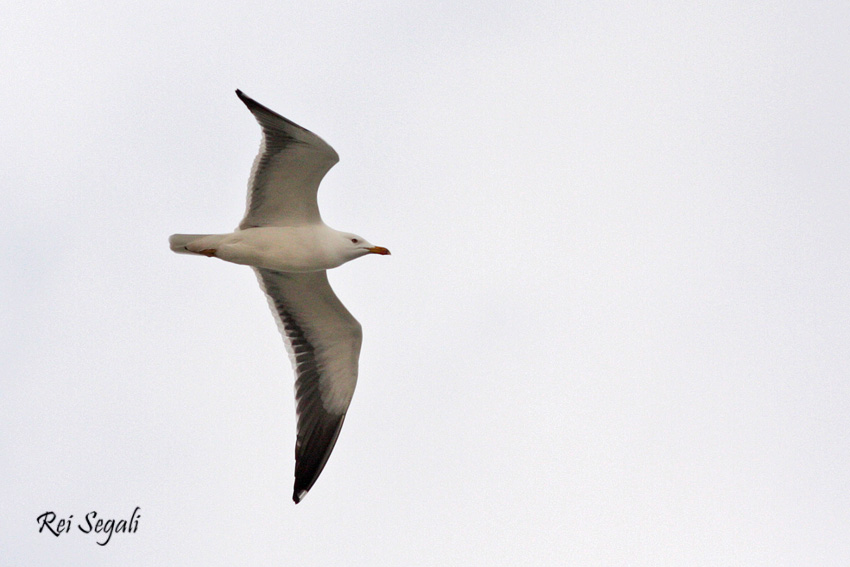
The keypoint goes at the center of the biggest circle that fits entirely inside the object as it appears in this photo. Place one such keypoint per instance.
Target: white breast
(286, 249)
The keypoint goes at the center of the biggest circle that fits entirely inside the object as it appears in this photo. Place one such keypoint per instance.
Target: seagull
(283, 238)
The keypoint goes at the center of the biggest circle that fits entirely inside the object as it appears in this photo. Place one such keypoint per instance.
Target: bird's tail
(180, 243)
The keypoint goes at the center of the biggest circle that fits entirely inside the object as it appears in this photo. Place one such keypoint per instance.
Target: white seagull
(284, 239)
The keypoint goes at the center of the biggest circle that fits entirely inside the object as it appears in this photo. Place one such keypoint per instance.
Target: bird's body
(309, 248)
(283, 238)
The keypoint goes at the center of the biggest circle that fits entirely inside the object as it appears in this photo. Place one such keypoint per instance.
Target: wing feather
(323, 340)
(286, 173)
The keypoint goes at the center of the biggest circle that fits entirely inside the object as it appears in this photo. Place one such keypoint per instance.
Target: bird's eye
(354, 240)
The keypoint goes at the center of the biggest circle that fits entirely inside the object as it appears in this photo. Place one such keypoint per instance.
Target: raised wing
(323, 340)
(287, 171)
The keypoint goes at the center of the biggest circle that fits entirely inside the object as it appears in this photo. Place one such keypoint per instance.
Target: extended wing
(286, 173)
(323, 340)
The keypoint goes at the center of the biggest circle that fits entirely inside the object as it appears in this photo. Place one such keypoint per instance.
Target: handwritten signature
(58, 526)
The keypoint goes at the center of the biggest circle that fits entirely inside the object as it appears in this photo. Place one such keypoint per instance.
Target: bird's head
(357, 246)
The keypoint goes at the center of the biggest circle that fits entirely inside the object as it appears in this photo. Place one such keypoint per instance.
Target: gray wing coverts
(318, 428)
(286, 173)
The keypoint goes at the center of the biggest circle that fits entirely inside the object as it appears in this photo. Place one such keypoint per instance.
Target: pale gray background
(613, 331)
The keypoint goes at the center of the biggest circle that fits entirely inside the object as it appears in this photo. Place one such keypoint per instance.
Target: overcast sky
(613, 331)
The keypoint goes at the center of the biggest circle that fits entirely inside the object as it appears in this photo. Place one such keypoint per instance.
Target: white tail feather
(178, 242)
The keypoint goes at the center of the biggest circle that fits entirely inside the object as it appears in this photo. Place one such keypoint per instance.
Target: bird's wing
(323, 340)
(287, 171)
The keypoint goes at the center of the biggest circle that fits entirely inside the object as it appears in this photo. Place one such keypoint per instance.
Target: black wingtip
(258, 110)
(313, 449)
(256, 107)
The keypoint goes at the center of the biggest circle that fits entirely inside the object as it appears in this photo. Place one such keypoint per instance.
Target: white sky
(613, 331)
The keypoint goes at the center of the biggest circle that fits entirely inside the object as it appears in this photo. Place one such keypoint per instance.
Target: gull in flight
(283, 238)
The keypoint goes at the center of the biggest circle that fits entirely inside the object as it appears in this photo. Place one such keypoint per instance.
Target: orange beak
(379, 250)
